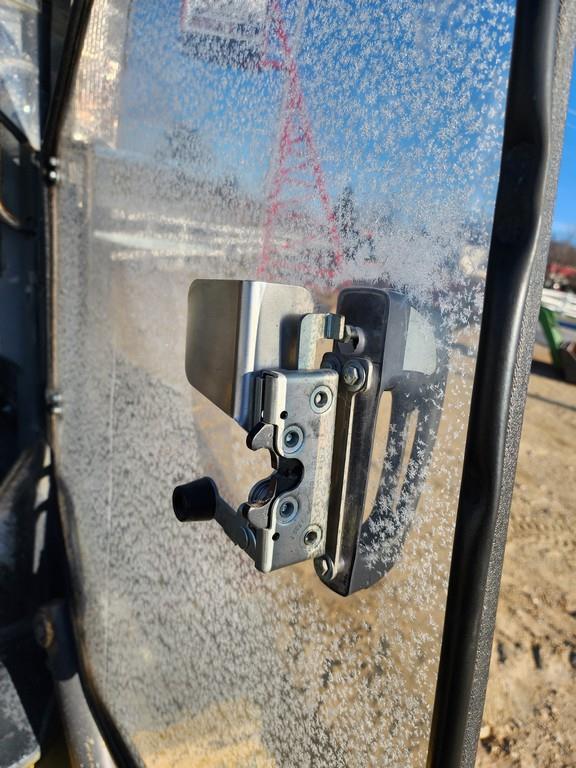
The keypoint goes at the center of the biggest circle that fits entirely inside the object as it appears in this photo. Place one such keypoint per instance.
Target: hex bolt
(353, 374)
(352, 335)
(350, 374)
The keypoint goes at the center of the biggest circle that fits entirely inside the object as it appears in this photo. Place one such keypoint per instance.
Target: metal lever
(396, 352)
(318, 424)
(200, 500)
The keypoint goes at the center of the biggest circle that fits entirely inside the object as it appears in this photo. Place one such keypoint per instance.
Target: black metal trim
(71, 53)
(524, 191)
(71, 50)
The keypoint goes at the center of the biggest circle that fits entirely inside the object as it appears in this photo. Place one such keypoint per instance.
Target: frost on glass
(324, 144)
(19, 84)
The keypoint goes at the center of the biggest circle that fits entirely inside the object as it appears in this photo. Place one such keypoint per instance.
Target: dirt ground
(530, 714)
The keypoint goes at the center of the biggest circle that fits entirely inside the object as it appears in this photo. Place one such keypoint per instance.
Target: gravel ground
(530, 713)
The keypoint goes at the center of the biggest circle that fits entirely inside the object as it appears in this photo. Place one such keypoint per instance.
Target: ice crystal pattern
(179, 160)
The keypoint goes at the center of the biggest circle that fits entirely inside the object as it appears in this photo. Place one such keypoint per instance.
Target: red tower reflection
(299, 229)
(296, 180)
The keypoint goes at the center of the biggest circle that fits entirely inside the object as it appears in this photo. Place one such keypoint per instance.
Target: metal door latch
(253, 349)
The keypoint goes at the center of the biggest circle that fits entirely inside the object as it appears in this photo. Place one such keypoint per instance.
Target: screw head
(292, 439)
(353, 374)
(312, 536)
(287, 509)
(321, 399)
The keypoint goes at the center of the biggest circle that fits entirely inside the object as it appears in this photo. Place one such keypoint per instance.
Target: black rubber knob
(196, 500)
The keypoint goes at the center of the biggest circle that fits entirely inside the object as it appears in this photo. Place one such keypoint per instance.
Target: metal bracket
(395, 352)
(318, 423)
(289, 510)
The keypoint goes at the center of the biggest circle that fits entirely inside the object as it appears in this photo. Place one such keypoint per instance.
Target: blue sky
(237, 123)
(406, 104)
(565, 215)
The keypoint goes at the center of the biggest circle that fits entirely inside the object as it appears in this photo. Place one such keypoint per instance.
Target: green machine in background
(563, 352)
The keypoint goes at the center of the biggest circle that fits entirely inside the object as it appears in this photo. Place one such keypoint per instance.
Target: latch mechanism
(252, 348)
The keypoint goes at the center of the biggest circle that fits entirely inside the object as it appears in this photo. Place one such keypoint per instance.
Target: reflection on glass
(19, 85)
(315, 143)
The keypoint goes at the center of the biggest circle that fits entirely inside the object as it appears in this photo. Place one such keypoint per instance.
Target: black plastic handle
(196, 501)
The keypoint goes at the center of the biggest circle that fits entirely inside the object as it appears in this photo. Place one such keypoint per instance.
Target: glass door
(325, 145)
